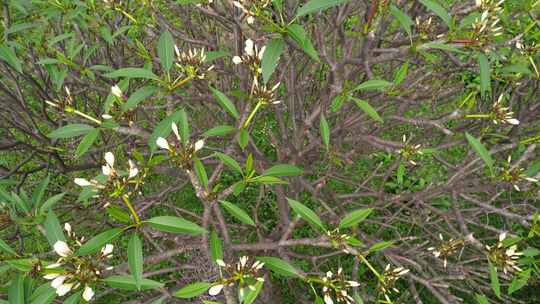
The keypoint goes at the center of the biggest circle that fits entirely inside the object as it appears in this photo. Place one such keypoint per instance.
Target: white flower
(250, 19)
(199, 145)
(162, 143)
(88, 293)
(109, 158)
(328, 299)
(249, 48)
(64, 289)
(54, 265)
(82, 182)
(62, 249)
(107, 250)
(215, 290)
(106, 170)
(116, 91)
(106, 116)
(237, 60)
(58, 281)
(353, 283)
(261, 53)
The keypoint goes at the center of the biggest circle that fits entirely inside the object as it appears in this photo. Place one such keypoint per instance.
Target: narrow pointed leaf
(283, 170)
(138, 96)
(175, 224)
(229, 161)
(97, 242)
(306, 213)
(70, 130)
(404, 20)
(132, 73)
(216, 248)
(8, 55)
(368, 109)
(355, 217)
(135, 259)
(87, 141)
(372, 85)
(53, 230)
(192, 290)
(225, 102)
(481, 150)
(270, 59)
(440, 11)
(325, 132)
(128, 283)
(165, 49)
(317, 5)
(279, 266)
(300, 36)
(485, 74)
(237, 212)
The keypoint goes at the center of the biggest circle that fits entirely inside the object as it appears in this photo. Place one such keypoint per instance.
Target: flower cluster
(180, 152)
(261, 94)
(446, 249)
(338, 240)
(70, 272)
(335, 287)
(245, 272)
(115, 182)
(252, 56)
(388, 279)
(192, 63)
(490, 5)
(502, 115)
(515, 175)
(251, 8)
(487, 24)
(410, 151)
(424, 27)
(503, 257)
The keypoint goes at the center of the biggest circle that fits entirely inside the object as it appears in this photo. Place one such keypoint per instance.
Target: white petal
(106, 170)
(249, 47)
(107, 250)
(215, 290)
(64, 289)
(82, 182)
(513, 121)
(62, 249)
(199, 145)
(174, 128)
(133, 171)
(88, 293)
(162, 143)
(67, 228)
(250, 20)
(237, 60)
(54, 265)
(116, 91)
(109, 158)
(328, 299)
(221, 263)
(261, 52)
(58, 281)
(51, 276)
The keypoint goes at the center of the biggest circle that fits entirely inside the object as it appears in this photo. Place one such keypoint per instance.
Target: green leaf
(267, 180)
(39, 192)
(380, 246)
(70, 130)
(135, 259)
(220, 131)
(118, 213)
(441, 46)
(128, 283)
(132, 73)
(225, 102)
(481, 299)
(283, 170)
(279, 266)
(243, 138)
(485, 74)
(355, 217)
(175, 224)
(192, 290)
(270, 59)
(7, 249)
(44, 294)
(183, 127)
(74, 298)
(8, 55)
(87, 141)
(495, 285)
(216, 249)
(367, 108)
(50, 202)
(201, 172)
(252, 295)
(299, 35)
(306, 213)
(481, 150)
(438, 10)
(520, 281)
(53, 231)
(404, 20)
(138, 96)
(372, 85)
(97, 242)
(237, 212)
(401, 73)
(165, 49)
(16, 290)
(325, 132)
(317, 5)
(229, 161)
(24, 265)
